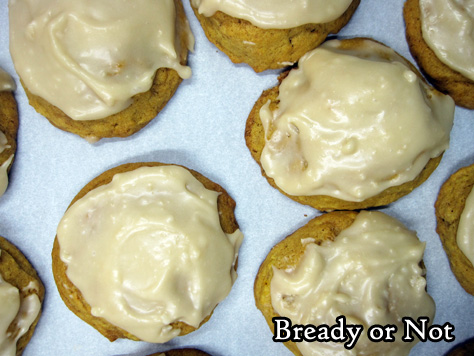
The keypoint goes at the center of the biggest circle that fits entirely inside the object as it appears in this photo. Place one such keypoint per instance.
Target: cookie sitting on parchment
(438, 40)
(146, 251)
(21, 297)
(8, 127)
(454, 219)
(269, 34)
(365, 267)
(353, 126)
(100, 69)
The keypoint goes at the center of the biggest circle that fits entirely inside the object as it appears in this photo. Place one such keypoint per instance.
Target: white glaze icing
(6, 81)
(4, 172)
(6, 84)
(276, 13)
(17, 311)
(89, 58)
(370, 274)
(9, 306)
(350, 124)
(465, 233)
(447, 27)
(147, 250)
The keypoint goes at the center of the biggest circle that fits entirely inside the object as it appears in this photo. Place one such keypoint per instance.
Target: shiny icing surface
(465, 233)
(147, 250)
(6, 81)
(91, 57)
(4, 167)
(370, 274)
(276, 13)
(447, 27)
(15, 310)
(350, 124)
(6, 84)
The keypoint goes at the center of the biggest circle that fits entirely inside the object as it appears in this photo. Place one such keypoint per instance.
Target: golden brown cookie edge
(144, 108)
(21, 273)
(9, 124)
(288, 253)
(445, 79)
(448, 208)
(272, 48)
(72, 296)
(255, 141)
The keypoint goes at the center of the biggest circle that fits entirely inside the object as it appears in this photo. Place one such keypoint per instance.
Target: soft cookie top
(147, 250)
(351, 122)
(90, 58)
(276, 14)
(445, 26)
(8, 127)
(369, 272)
(21, 297)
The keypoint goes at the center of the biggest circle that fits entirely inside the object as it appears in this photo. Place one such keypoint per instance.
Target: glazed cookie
(21, 296)
(8, 127)
(270, 34)
(364, 266)
(443, 48)
(454, 209)
(107, 85)
(354, 126)
(146, 251)
(182, 352)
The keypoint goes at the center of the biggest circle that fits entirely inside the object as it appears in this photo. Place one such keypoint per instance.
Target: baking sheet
(202, 127)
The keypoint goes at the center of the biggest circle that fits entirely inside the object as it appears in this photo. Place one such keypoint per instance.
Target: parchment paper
(202, 127)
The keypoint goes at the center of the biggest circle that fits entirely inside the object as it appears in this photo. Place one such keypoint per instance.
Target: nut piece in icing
(146, 251)
(270, 34)
(354, 126)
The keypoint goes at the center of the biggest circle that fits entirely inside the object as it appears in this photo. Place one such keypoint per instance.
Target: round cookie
(72, 296)
(255, 141)
(449, 207)
(291, 257)
(445, 79)
(144, 107)
(288, 253)
(16, 270)
(8, 126)
(181, 352)
(264, 49)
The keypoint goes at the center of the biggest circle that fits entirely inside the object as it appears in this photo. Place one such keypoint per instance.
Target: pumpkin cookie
(108, 85)
(363, 266)
(354, 126)
(146, 251)
(8, 127)
(247, 34)
(436, 35)
(453, 208)
(21, 296)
